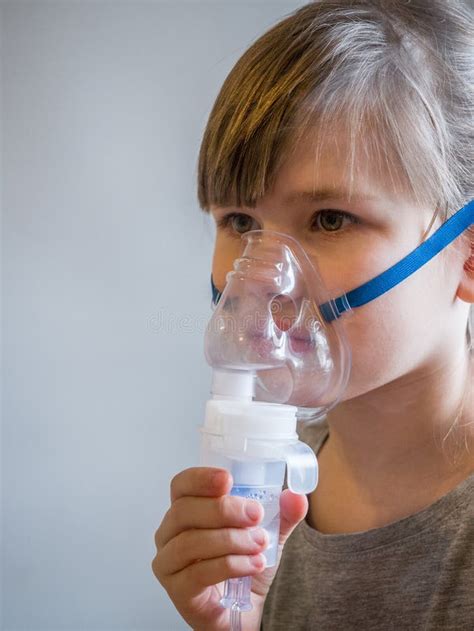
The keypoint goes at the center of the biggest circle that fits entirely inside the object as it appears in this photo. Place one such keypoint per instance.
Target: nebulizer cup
(279, 355)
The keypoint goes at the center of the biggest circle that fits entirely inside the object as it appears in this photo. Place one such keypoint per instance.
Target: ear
(466, 286)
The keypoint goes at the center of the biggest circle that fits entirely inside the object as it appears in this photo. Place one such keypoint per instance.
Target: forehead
(318, 167)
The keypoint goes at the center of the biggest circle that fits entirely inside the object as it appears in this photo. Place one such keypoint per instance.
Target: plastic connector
(237, 599)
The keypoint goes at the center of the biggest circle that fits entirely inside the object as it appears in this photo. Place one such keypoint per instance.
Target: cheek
(377, 358)
(397, 332)
(225, 252)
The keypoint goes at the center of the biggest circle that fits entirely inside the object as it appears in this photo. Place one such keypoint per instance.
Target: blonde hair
(397, 74)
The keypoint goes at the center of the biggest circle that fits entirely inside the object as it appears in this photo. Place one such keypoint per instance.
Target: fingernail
(259, 536)
(252, 509)
(257, 560)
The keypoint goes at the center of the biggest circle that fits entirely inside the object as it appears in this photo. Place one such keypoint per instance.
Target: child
(367, 107)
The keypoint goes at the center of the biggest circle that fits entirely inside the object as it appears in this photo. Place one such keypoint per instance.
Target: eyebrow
(325, 194)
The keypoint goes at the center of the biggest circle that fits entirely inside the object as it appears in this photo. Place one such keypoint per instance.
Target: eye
(331, 220)
(237, 223)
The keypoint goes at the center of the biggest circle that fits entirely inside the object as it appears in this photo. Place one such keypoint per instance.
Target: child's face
(397, 333)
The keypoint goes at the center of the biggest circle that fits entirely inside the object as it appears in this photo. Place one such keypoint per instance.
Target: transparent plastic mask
(269, 321)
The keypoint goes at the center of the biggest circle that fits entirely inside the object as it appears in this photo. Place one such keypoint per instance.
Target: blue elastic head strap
(216, 294)
(450, 230)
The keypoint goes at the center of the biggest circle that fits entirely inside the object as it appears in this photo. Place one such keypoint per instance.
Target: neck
(418, 427)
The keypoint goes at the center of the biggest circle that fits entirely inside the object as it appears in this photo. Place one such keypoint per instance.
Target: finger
(196, 545)
(192, 580)
(186, 513)
(293, 508)
(200, 481)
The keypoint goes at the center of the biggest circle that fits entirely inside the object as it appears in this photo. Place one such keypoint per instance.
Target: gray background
(105, 280)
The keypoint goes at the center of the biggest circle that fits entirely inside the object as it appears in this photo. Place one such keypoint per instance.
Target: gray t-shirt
(415, 574)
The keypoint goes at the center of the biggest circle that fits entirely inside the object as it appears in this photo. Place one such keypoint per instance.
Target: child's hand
(204, 539)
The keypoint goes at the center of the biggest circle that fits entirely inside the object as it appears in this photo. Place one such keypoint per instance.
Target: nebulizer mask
(279, 354)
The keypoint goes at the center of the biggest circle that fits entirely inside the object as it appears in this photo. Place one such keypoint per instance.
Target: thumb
(293, 508)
